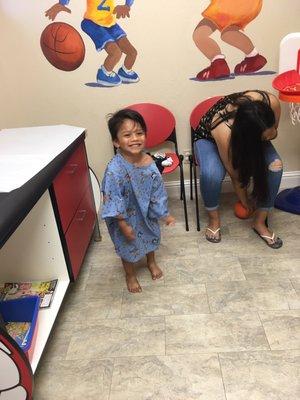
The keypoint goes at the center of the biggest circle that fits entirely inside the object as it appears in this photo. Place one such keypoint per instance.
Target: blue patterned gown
(138, 194)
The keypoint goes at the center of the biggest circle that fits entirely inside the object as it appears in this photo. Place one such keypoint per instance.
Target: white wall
(35, 93)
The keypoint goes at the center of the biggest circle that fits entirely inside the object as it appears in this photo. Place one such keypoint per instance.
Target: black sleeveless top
(206, 123)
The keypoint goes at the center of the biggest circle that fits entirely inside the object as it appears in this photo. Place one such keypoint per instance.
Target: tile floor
(223, 323)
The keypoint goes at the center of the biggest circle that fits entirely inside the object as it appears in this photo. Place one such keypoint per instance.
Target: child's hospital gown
(138, 194)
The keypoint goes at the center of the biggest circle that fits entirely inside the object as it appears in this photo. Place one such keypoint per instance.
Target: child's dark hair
(117, 119)
(252, 118)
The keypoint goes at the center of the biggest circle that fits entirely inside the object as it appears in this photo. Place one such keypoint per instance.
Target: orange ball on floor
(240, 211)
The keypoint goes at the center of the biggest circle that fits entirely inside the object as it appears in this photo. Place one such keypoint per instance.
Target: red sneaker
(217, 69)
(250, 64)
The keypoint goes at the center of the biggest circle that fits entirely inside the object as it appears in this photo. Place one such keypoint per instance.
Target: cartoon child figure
(230, 18)
(100, 24)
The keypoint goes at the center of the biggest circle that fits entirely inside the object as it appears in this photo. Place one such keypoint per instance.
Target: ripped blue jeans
(212, 173)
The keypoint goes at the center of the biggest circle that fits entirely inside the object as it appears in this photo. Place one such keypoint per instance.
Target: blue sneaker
(129, 77)
(108, 80)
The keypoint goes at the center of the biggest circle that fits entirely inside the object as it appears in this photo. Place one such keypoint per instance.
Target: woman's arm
(275, 105)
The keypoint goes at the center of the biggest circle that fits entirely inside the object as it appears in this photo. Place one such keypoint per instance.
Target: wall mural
(230, 18)
(64, 48)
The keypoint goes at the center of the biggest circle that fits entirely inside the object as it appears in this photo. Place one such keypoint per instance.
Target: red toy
(63, 46)
(241, 212)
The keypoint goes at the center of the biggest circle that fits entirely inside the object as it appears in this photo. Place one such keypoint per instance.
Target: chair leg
(181, 158)
(191, 177)
(182, 189)
(196, 198)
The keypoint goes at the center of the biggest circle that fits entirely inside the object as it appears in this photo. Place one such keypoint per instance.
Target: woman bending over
(235, 136)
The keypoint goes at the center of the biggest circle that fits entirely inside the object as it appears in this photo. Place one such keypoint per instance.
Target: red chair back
(201, 109)
(159, 120)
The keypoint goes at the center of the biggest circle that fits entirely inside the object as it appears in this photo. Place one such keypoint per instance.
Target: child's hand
(54, 10)
(169, 220)
(122, 11)
(127, 230)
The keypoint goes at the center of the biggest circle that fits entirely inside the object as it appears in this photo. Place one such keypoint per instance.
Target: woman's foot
(133, 285)
(212, 232)
(213, 236)
(155, 271)
(268, 237)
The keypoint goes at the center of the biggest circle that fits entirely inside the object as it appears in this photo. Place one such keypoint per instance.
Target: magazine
(44, 289)
(19, 331)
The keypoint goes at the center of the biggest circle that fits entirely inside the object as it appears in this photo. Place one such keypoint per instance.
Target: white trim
(289, 179)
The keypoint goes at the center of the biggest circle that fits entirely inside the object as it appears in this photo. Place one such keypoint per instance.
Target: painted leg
(126, 73)
(252, 62)
(105, 75)
(209, 47)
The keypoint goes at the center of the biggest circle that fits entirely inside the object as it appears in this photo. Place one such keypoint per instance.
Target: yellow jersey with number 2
(101, 12)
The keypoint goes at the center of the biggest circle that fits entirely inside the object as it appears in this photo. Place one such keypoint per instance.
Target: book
(19, 331)
(44, 289)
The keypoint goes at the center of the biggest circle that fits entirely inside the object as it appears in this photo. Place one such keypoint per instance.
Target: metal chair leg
(184, 196)
(191, 176)
(196, 198)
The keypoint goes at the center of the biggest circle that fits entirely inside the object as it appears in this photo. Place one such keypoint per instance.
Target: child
(134, 197)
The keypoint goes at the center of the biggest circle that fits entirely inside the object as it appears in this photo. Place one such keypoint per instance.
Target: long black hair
(246, 149)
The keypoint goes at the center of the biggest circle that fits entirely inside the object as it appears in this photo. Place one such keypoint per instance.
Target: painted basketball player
(230, 18)
(100, 24)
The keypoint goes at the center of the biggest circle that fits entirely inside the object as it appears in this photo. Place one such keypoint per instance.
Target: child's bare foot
(133, 285)
(155, 271)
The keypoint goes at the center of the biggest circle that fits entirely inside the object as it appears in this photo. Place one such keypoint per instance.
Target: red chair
(160, 124)
(195, 117)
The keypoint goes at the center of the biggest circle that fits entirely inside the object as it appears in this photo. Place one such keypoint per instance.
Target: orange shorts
(224, 13)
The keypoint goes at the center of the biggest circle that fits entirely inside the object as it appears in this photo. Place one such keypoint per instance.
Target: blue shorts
(101, 34)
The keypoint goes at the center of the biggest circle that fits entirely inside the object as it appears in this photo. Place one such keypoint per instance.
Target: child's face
(131, 138)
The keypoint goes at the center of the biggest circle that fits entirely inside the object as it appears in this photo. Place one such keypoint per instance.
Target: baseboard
(289, 179)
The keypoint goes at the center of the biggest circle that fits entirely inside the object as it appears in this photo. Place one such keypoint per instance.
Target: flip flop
(213, 239)
(276, 241)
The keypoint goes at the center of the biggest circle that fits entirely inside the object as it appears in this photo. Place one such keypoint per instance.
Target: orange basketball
(63, 46)
(240, 211)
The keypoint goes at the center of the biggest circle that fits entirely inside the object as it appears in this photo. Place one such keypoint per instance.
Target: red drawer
(70, 185)
(80, 231)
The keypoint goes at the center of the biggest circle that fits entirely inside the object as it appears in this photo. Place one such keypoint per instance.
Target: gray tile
(282, 329)
(118, 337)
(168, 249)
(65, 380)
(296, 284)
(166, 300)
(250, 295)
(93, 305)
(190, 377)
(111, 276)
(201, 269)
(273, 266)
(188, 334)
(261, 375)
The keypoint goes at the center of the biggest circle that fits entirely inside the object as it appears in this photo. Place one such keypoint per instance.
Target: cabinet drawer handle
(73, 168)
(82, 214)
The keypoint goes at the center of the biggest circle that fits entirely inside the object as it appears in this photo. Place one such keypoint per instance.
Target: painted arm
(57, 8)
(123, 11)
